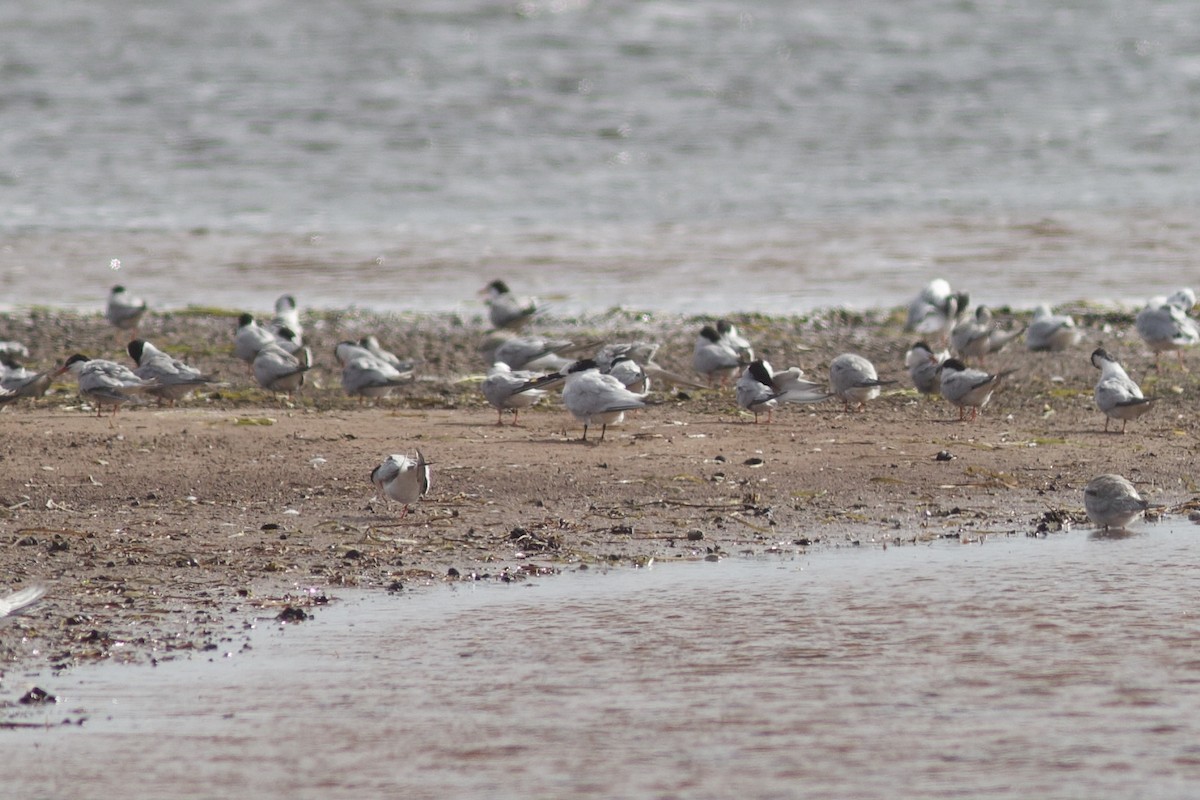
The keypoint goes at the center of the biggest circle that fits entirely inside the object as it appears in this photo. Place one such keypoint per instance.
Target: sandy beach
(160, 532)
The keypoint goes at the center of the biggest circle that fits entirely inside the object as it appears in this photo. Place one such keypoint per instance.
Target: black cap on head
(499, 286)
(245, 319)
(75, 359)
(954, 364)
(581, 365)
(135, 349)
(710, 333)
(118, 288)
(758, 370)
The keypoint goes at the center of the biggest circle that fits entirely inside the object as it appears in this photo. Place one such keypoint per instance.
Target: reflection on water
(1017, 668)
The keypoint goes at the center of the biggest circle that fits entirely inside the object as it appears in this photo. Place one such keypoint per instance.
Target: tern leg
(585, 427)
(1106, 423)
(603, 430)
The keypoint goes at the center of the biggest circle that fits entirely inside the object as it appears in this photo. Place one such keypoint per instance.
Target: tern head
(285, 303)
(761, 372)
(135, 348)
(495, 288)
(952, 364)
(1100, 357)
(286, 333)
(72, 364)
(724, 326)
(582, 365)
(710, 333)
(245, 319)
(118, 289)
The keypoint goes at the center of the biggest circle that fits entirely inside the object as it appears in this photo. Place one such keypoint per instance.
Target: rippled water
(1060, 667)
(702, 156)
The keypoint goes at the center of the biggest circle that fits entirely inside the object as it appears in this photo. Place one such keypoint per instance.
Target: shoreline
(160, 533)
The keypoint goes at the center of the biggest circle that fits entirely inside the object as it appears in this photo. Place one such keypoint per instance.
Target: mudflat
(160, 532)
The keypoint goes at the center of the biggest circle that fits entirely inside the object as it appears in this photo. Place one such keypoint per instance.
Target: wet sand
(164, 531)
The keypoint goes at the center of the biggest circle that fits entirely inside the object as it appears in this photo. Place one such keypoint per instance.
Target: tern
(735, 341)
(713, 356)
(249, 338)
(968, 388)
(507, 390)
(853, 380)
(367, 376)
(592, 397)
(977, 336)
(373, 346)
(287, 315)
(924, 367)
(105, 382)
(403, 479)
(1051, 332)
(630, 373)
(760, 388)
(935, 308)
(124, 312)
(506, 310)
(533, 353)
(277, 370)
(1117, 395)
(21, 382)
(13, 602)
(1164, 325)
(172, 378)
(1112, 501)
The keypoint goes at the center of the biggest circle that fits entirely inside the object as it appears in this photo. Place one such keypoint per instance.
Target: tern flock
(601, 382)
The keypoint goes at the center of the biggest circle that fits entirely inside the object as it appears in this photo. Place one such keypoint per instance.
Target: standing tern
(376, 349)
(277, 370)
(172, 378)
(105, 382)
(968, 388)
(1164, 325)
(501, 390)
(924, 367)
(762, 389)
(977, 337)
(1051, 332)
(1117, 395)
(1112, 501)
(533, 352)
(403, 479)
(592, 397)
(123, 311)
(371, 377)
(506, 310)
(249, 338)
(935, 308)
(714, 357)
(853, 380)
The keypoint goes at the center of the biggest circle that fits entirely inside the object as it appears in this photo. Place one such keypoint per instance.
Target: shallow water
(1019, 667)
(709, 156)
